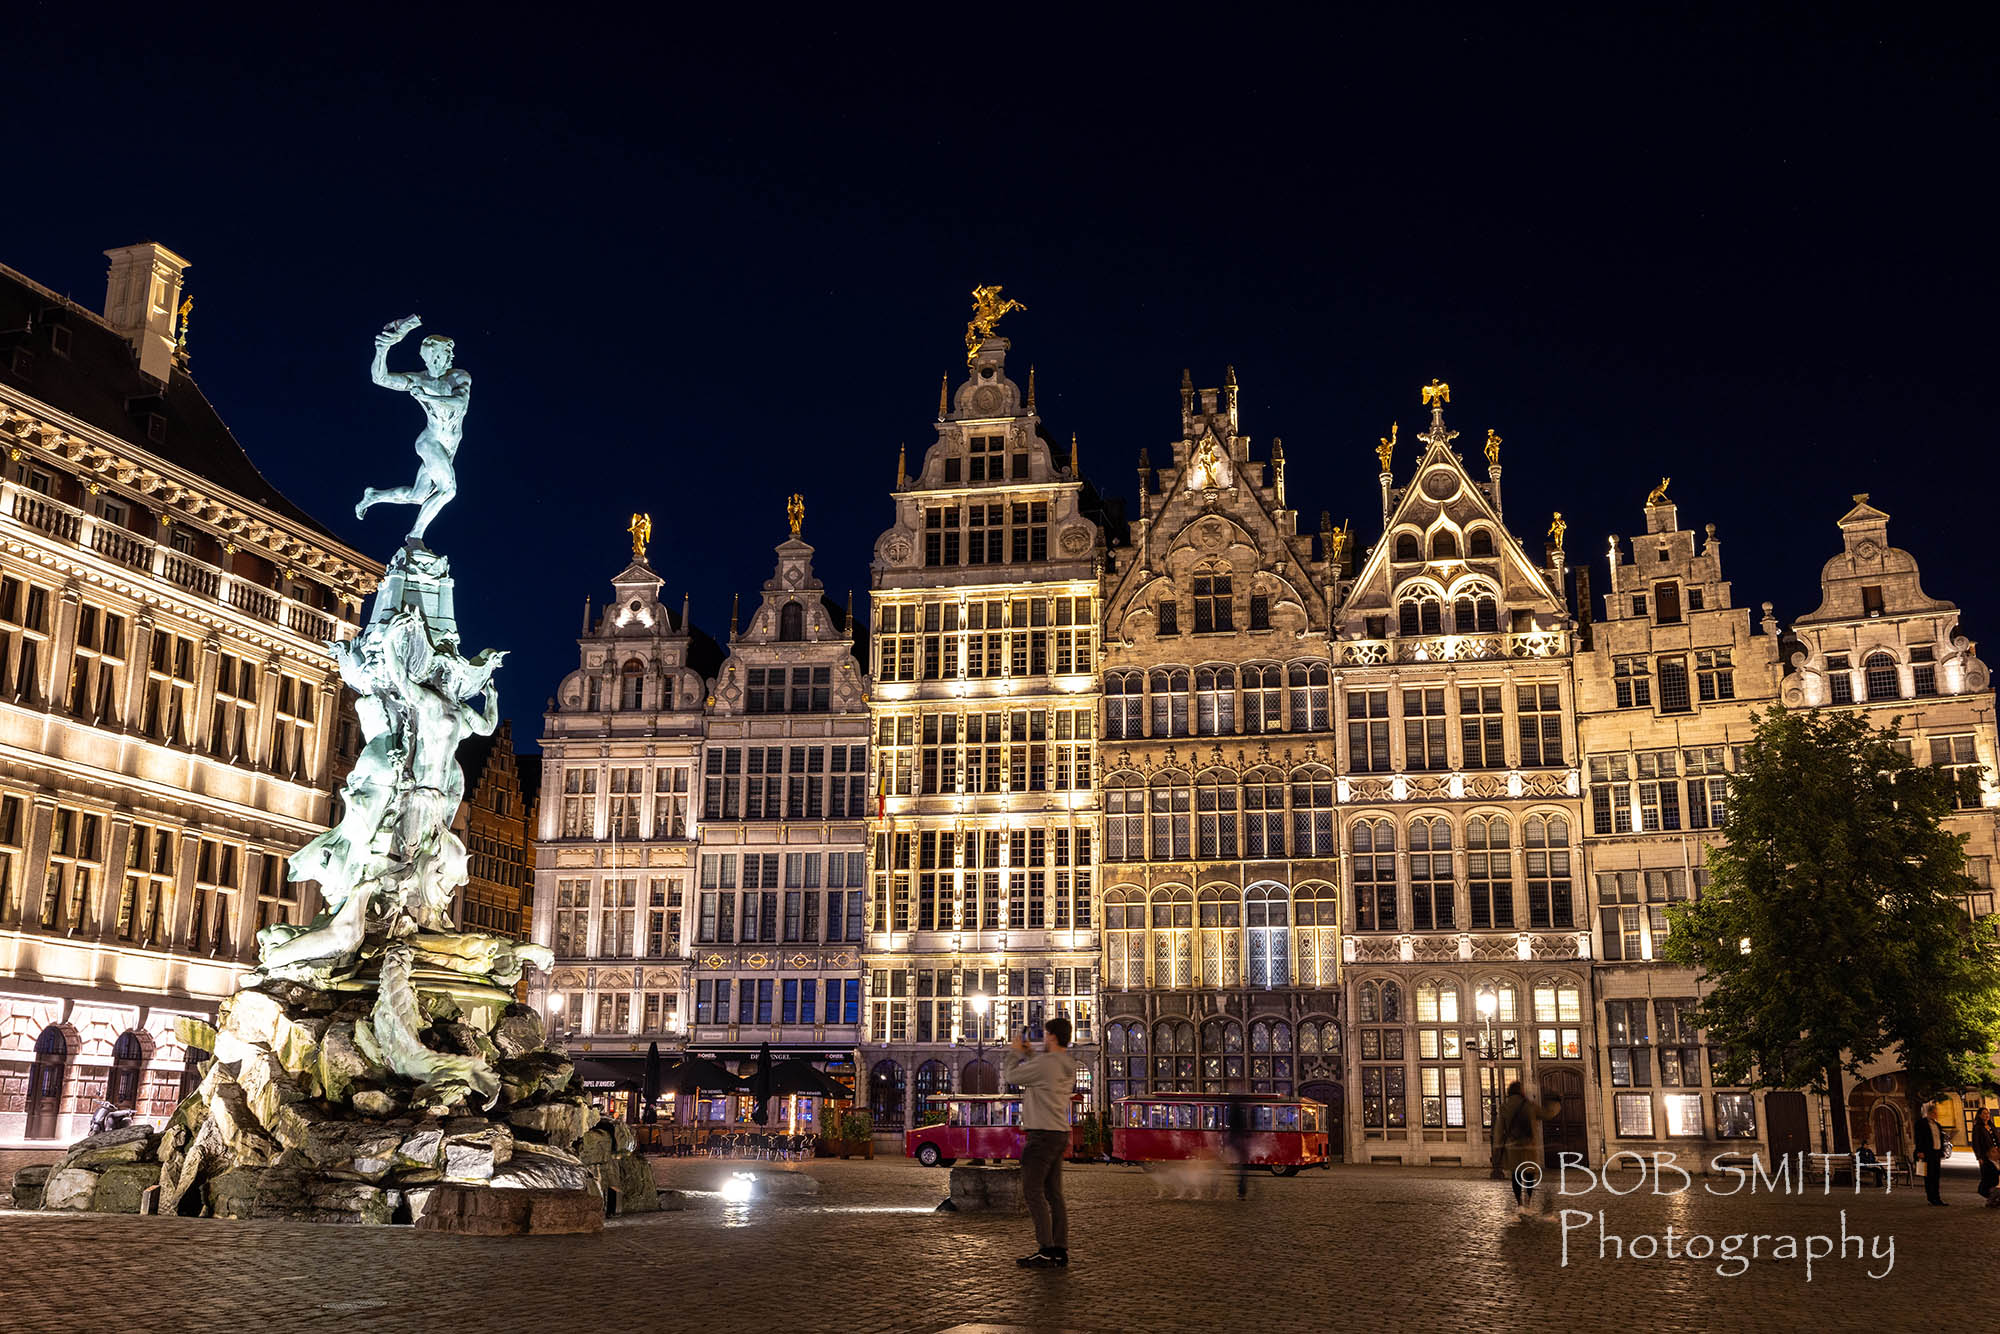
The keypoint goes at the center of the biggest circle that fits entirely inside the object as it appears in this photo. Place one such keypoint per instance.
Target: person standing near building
(1930, 1151)
(1983, 1148)
(1046, 1080)
(1515, 1125)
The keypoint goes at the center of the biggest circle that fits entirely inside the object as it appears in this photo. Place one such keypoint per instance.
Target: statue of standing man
(444, 394)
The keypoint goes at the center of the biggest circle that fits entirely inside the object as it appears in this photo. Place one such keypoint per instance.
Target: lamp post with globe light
(982, 1005)
(1487, 1004)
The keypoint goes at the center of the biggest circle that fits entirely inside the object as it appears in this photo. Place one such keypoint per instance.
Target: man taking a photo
(1046, 1080)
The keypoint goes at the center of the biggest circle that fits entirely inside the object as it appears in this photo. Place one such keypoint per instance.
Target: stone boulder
(994, 1189)
(69, 1188)
(122, 1187)
(539, 1167)
(482, 1211)
(558, 1123)
(627, 1181)
(233, 1194)
(341, 1062)
(28, 1185)
(519, 1031)
(129, 1144)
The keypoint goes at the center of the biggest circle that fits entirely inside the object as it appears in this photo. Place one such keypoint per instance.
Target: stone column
(185, 862)
(35, 861)
(202, 715)
(326, 720)
(62, 648)
(267, 714)
(116, 852)
(138, 656)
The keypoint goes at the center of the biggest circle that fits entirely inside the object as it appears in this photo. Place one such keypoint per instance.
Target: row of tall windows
(1481, 729)
(627, 813)
(764, 1001)
(1442, 1034)
(1265, 936)
(788, 690)
(932, 1005)
(1644, 681)
(985, 638)
(627, 926)
(784, 782)
(985, 751)
(1215, 815)
(1495, 891)
(1660, 791)
(771, 906)
(986, 533)
(983, 880)
(1219, 700)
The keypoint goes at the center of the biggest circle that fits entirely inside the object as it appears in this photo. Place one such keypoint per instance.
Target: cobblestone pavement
(1385, 1248)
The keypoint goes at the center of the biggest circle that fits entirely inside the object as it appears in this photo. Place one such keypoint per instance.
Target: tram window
(1288, 1117)
(954, 1114)
(1013, 1113)
(976, 1113)
(1312, 1119)
(1213, 1117)
(1260, 1117)
(1156, 1116)
(1183, 1115)
(1135, 1114)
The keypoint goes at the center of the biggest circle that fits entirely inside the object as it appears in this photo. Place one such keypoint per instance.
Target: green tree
(1833, 927)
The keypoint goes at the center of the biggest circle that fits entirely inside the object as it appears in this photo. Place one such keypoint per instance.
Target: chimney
(142, 298)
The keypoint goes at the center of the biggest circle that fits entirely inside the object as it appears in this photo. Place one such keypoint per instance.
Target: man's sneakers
(1049, 1257)
(1527, 1213)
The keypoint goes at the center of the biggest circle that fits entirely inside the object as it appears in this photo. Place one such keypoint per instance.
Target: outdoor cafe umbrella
(795, 1074)
(760, 1087)
(698, 1073)
(649, 1086)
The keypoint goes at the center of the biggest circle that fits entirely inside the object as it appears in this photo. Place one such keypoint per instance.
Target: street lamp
(1487, 1004)
(981, 1005)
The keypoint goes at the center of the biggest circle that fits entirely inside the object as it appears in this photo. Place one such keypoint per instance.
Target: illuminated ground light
(740, 1187)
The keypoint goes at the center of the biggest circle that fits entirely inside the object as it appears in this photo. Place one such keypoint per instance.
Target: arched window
(1221, 915)
(792, 622)
(1263, 813)
(1263, 699)
(980, 1077)
(1489, 871)
(1271, 1057)
(1420, 612)
(1312, 696)
(1880, 672)
(1431, 888)
(45, 1083)
(632, 684)
(1479, 542)
(1442, 1085)
(1392, 1003)
(1124, 818)
(1367, 1003)
(1170, 701)
(128, 1057)
(1221, 1056)
(1437, 1002)
(1549, 901)
(1125, 1059)
(1312, 811)
(933, 1078)
(1173, 1056)
(885, 1095)
(1124, 705)
(1444, 545)
(1267, 916)
(1172, 827)
(1316, 924)
(1374, 875)
(1406, 547)
(1475, 610)
(1125, 938)
(1215, 813)
(1214, 701)
(1173, 938)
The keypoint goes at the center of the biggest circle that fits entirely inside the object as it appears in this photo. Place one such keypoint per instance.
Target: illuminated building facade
(1219, 852)
(982, 912)
(493, 822)
(169, 721)
(1459, 812)
(778, 910)
(1666, 690)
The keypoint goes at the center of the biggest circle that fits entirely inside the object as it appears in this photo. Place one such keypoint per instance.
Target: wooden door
(1335, 1098)
(1564, 1132)
(1785, 1124)
(45, 1087)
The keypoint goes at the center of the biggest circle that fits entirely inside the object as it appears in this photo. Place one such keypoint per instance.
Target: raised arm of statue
(392, 334)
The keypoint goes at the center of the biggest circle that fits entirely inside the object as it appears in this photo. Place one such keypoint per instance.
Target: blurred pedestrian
(1930, 1152)
(1516, 1130)
(1984, 1149)
(1046, 1080)
(1236, 1140)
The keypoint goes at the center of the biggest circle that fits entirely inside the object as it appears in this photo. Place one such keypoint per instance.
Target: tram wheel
(928, 1155)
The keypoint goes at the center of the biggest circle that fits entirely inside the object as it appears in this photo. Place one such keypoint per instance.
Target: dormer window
(59, 340)
(1871, 599)
(1406, 547)
(983, 459)
(792, 623)
(1480, 543)
(951, 470)
(1475, 611)
(1444, 545)
(1667, 604)
(1879, 672)
(1694, 599)
(632, 685)
(1214, 607)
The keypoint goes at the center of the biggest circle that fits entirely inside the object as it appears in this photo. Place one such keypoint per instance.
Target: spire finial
(1072, 455)
(944, 397)
(181, 337)
(1031, 386)
(902, 473)
(1436, 395)
(735, 605)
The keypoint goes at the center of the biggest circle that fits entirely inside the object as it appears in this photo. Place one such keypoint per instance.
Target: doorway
(1335, 1099)
(1564, 1132)
(45, 1083)
(1786, 1123)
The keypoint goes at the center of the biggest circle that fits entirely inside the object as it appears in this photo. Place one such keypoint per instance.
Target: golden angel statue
(1436, 392)
(1492, 448)
(1387, 449)
(1556, 530)
(987, 308)
(795, 512)
(641, 529)
(181, 325)
(1658, 495)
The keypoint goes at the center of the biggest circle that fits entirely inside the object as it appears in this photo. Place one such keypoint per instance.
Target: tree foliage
(1833, 927)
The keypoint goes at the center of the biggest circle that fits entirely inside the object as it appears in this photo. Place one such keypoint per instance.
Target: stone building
(616, 826)
(1879, 645)
(1459, 808)
(167, 706)
(493, 823)
(1666, 693)
(984, 700)
(1219, 857)
(785, 798)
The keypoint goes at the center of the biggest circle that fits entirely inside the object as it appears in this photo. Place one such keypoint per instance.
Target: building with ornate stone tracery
(169, 721)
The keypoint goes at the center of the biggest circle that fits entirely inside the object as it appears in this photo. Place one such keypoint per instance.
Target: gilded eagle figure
(1436, 392)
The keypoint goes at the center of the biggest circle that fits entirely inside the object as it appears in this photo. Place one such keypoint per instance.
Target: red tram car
(979, 1125)
(1285, 1134)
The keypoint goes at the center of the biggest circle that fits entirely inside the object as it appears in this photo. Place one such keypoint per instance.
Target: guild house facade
(169, 722)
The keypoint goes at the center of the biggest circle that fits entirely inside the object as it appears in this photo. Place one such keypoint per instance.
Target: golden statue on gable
(1492, 448)
(1387, 449)
(987, 308)
(1658, 495)
(1436, 392)
(641, 529)
(795, 512)
(1205, 471)
(1342, 538)
(1557, 528)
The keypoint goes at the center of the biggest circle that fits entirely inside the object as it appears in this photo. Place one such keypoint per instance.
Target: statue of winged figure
(444, 392)
(1436, 392)
(987, 308)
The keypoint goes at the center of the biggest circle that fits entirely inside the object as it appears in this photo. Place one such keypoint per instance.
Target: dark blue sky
(692, 269)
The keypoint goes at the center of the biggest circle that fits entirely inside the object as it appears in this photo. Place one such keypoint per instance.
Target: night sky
(692, 270)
